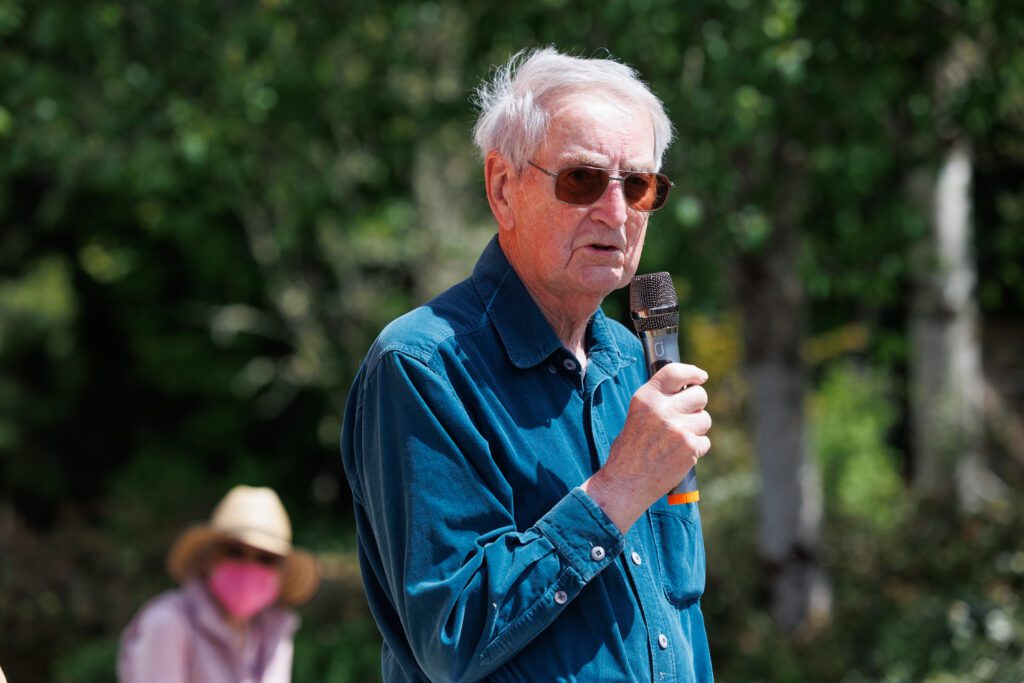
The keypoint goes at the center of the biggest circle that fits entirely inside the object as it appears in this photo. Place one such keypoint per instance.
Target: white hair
(514, 104)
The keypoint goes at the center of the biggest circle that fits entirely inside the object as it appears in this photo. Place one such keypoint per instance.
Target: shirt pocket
(680, 543)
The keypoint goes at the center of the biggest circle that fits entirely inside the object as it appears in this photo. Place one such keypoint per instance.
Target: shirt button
(561, 598)
(662, 641)
(636, 558)
(569, 364)
(552, 369)
(597, 553)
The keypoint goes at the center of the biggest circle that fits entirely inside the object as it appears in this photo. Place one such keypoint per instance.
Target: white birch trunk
(791, 503)
(947, 385)
(791, 506)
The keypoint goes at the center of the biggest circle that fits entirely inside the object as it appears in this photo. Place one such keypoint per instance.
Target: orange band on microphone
(680, 498)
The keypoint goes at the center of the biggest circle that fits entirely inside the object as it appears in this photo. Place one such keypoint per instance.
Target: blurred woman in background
(229, 620)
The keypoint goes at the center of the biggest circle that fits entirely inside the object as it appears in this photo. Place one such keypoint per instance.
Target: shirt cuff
(582, 532)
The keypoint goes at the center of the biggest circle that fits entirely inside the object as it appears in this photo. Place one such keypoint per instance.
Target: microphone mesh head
(649, 291)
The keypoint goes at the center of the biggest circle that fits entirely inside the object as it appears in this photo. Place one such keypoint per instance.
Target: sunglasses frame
(609, 171)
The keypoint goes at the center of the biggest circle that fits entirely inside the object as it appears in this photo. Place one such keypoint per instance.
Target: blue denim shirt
(467, 433)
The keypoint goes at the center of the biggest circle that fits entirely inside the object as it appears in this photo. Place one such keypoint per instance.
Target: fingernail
(704, 375)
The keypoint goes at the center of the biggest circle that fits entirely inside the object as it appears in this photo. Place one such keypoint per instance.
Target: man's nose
(611, 208)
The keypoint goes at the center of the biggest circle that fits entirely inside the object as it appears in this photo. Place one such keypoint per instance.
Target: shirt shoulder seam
(425, 356)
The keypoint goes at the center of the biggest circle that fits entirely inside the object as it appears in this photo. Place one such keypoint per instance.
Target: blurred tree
(947, 379)
(947, 382)
(224, 224)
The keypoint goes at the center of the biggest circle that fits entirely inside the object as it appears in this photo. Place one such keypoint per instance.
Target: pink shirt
(180, 637)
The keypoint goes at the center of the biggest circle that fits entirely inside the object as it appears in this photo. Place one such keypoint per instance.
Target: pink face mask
(244, 588)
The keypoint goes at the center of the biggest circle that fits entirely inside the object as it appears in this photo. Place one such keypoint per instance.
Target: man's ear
(498, 177)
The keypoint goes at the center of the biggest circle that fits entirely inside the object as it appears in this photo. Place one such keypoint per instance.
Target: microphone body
(654, 309)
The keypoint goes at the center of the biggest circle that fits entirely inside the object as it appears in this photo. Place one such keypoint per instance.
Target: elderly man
(508, 457)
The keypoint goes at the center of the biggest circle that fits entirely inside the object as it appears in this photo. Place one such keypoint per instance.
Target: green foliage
(950, 598)
(95, 662)
(932, 597)
(347, 653)
(851, 415)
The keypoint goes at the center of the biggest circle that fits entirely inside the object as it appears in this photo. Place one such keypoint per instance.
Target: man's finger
(700, 444)
(698, 423)
(690, 400)
(675, 377)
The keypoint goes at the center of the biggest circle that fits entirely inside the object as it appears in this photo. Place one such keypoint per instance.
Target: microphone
(654, 308)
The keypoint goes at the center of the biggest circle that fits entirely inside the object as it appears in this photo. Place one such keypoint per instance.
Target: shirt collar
(601, 347)
(525, 332)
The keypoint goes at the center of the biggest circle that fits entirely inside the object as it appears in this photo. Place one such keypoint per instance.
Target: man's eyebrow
(578, 159)
(602, 162)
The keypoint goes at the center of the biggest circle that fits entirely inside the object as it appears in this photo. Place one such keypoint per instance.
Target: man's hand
(662, 440)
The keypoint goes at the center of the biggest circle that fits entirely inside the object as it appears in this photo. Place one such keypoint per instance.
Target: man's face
(574, 256)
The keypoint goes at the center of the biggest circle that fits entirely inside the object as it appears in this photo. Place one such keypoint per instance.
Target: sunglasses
(582, 185)
(244, 553)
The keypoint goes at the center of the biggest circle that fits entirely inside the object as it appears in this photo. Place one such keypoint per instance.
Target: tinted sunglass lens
(650, 193)
(664, 185)
(640, 191)
(580, 185)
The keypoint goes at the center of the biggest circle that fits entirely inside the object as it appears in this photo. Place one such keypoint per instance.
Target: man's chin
(602, 281)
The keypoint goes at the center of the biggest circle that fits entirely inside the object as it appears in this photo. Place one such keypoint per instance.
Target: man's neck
(567, 315)
(569, 323)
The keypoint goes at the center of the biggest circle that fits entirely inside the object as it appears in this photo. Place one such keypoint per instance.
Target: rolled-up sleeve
(470, 589)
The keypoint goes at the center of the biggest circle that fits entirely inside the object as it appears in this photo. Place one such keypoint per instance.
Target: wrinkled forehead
(606, 132)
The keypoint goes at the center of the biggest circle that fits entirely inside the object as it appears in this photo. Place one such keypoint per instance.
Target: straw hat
(253, 516)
